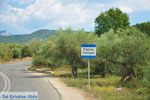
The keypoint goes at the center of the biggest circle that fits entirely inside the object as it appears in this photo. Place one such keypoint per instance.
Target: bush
(10, 51)
(124, 51)
(146, 79)
(6, 53)
(63, 49)
(26, 51)
(16, 50)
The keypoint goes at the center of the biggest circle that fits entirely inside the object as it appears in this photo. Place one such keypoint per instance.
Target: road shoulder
(67, 93)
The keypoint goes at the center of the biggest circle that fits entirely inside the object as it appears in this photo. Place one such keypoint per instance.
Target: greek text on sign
(88, 51)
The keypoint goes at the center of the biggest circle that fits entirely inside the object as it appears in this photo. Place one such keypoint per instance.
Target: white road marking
(7, 83)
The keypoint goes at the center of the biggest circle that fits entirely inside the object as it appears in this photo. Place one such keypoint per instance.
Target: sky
(27, 16)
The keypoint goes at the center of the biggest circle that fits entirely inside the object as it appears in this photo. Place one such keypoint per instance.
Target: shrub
(26, 51)
(125, 51)
(5, 52)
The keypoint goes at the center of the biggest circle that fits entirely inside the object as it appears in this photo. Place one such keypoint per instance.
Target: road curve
(14, 78)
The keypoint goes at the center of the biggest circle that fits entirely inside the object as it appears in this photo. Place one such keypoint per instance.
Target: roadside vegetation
(108, 88)
(122, 62)
(14, 51)
(121, 70)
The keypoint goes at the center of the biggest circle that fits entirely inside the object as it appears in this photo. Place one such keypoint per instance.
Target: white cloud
(133, 5)
(55, 13)
(50, 10)
(126, 9)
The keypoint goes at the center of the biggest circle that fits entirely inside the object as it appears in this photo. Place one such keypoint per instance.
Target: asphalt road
(14, 78)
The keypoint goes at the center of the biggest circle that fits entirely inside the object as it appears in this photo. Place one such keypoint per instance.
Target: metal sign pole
(89, 73)
(88, 51)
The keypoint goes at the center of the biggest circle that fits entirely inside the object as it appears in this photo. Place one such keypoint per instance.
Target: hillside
(40, 34)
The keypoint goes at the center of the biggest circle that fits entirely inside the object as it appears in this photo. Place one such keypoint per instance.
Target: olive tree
(69, 46)
(126, 49)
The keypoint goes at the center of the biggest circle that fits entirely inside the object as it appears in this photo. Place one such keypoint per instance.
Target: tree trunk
(130, 74)
(103, 74)
(123, 77)
(74, 72)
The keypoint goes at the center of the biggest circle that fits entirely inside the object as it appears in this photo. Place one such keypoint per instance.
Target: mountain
(4, 33)
(40, 34)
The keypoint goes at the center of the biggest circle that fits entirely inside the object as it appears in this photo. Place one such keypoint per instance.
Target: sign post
(88, 51)
(89, 73)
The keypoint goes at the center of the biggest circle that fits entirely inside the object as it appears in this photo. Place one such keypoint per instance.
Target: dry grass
(101, 88)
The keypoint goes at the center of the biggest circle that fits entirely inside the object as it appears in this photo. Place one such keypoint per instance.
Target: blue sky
(26, 16)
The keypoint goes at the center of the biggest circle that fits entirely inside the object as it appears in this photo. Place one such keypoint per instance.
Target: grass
(101, 88)
(105, 89)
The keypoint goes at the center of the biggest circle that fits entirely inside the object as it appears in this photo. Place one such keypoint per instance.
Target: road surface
(14, 78)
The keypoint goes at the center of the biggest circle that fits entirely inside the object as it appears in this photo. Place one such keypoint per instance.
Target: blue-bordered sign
(88, 51)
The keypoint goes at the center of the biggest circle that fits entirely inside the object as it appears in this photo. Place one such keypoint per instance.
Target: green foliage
(26, 51)
(63, 49)
(69, 46)
(111, 19)
(10, 51)
(35, 45)
(144, 27)
(146, 79)
(44, 54)
(5, 53)
(123, 52)
(16, 50)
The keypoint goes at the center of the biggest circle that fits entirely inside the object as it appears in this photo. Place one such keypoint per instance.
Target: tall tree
(144, 27)
(114, 18)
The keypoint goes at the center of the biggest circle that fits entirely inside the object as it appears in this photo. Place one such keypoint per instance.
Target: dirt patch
(17, 60)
